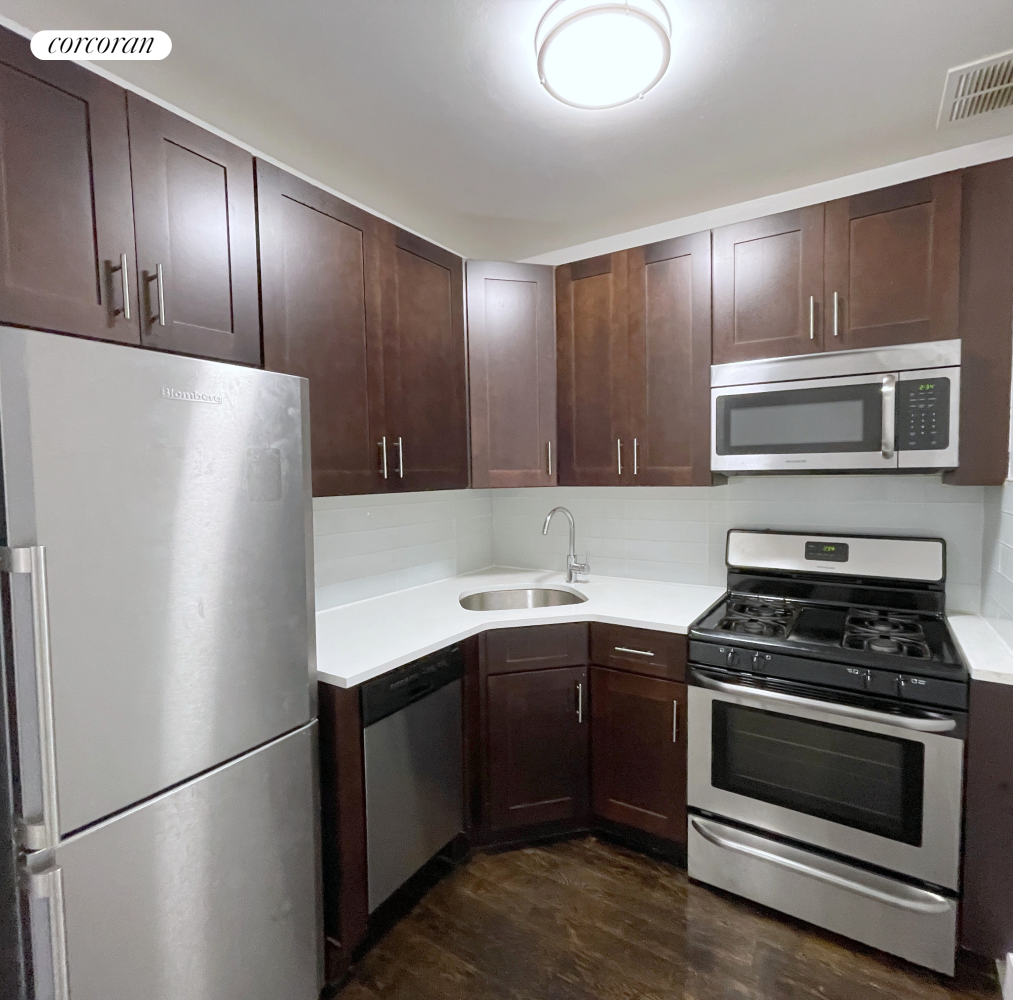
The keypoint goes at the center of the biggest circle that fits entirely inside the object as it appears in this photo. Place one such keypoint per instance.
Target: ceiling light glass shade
(600, 55)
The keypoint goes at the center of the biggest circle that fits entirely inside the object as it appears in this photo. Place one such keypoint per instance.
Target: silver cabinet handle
(634, 456)
(889, 415)
(675, 721)
(836, 313)
(580, 702)
(814, 705)
(383, 452)
(400, 458)
(812, 317)
(40, 832)
(917, 900)
(548, 447)
(48, 885)
(160, 288)
(636, 652)
(619, 455)
(125, 285)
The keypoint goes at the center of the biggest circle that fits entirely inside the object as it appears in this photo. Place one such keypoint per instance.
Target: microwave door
(808, 425)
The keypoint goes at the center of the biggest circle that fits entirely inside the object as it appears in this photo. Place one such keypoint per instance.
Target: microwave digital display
(827, 551)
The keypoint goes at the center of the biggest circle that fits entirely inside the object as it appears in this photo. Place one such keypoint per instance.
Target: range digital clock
(826, 551)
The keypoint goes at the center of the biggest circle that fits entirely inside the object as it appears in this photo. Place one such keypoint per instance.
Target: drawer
(640, 650)
(535, 647)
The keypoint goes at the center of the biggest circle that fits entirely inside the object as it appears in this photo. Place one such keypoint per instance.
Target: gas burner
(878, 623)
(758, 608)
(753, 626)
(890, 644)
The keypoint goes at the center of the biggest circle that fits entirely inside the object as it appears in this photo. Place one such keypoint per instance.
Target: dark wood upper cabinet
(669, 360)
(768, 287)
(538, 725)
(424, 363)
(638, 752)
(512, 367)
(65, 207)
(592, 305)
(320, 290)
(194, 219)
(892, 258)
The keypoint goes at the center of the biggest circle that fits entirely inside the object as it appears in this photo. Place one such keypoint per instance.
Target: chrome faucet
(574, 568)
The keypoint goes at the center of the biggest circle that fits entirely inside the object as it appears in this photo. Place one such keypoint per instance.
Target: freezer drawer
(208, 892)
(171, 497)
(904, 920)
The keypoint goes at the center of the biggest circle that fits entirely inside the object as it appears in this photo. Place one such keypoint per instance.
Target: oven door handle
(846, 711)
(919, 901)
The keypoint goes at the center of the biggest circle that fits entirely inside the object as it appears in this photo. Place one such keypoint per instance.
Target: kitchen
(417, 583)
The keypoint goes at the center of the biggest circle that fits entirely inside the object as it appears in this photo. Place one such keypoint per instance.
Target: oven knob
(900, 682)
(732, 660)
(867, 679)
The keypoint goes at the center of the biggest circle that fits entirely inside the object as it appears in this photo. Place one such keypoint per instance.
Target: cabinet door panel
(512, 364)
(424, 362)
(538, 747)
(768, 287)
(893, 258)
(591, 351)
(66, 214)
(535, 647)
(638, 752)
(193, 193)
(669, 362)
(319, 277)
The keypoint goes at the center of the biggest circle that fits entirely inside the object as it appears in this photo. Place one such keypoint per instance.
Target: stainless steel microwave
(876, 409)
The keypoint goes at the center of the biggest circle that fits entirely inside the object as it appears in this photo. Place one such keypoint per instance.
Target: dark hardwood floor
(584, 919)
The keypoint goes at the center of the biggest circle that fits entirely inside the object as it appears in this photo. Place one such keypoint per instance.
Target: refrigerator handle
(41, 832)
(48, 885)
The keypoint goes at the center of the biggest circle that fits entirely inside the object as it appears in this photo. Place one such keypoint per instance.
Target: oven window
(832, 418)
(848, 776)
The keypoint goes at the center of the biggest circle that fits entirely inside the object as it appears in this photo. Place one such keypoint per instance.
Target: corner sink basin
(529, 597)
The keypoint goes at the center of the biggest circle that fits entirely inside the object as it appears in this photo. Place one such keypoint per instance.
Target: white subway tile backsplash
(375, 544)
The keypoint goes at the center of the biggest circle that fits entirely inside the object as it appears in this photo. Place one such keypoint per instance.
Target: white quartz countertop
(357, 642)
(986, 645)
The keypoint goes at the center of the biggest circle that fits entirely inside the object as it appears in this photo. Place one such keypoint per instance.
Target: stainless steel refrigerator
(159, 808)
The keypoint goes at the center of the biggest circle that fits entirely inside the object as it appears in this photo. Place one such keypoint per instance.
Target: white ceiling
(429, 111)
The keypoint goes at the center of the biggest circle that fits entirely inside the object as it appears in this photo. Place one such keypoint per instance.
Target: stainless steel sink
(529, 597)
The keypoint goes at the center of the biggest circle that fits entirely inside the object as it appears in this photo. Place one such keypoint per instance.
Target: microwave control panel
(923, 414)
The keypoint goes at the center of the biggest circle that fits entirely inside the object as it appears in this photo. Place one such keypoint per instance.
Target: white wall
(371, 545)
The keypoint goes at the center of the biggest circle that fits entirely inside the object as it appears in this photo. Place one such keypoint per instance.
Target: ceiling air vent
(978, 87)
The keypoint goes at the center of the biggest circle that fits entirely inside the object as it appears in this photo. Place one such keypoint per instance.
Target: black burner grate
(886, 634)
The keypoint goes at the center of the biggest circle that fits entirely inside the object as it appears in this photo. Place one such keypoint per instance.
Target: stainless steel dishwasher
(412, 744)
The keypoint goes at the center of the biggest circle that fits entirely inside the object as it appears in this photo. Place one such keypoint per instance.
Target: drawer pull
(635, 652)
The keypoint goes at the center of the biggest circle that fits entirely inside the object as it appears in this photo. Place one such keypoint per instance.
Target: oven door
(826, 423)
(861, 783)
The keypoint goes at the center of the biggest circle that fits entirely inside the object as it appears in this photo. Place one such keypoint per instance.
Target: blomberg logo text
(192, 397)
(93, 45)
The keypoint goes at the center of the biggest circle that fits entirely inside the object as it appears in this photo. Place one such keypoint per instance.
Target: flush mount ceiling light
(600, 55)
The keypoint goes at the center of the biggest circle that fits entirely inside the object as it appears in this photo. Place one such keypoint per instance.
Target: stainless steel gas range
(827, 718)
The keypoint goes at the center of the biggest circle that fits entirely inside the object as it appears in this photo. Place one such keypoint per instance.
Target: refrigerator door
(208, 892)
(171, 500)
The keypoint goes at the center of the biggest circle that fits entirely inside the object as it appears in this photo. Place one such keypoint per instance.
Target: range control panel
(923, 414)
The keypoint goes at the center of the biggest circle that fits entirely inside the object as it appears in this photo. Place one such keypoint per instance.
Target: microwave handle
(889, 391)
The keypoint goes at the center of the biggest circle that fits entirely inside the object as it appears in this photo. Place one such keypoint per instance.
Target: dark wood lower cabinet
(537, 746)
(638, 752)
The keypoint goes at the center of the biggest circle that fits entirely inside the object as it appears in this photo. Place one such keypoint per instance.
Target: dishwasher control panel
(414, 681)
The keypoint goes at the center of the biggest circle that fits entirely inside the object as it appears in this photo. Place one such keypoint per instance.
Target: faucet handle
(580, 569)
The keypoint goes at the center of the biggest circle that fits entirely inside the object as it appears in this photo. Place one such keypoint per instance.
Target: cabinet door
(66, 215)
(592, 299)
(321, 302)
(194, 217)
(512, 366)
(893, 261)
(424, 359)
(768, 287)
(669, 362)
(537, 746)
(638, 752)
